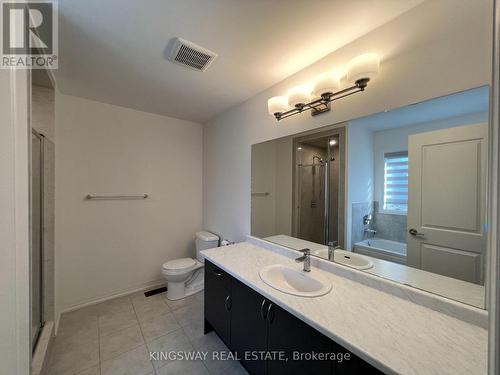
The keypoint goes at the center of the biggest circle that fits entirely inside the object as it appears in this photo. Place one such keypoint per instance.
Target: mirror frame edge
(493, 291)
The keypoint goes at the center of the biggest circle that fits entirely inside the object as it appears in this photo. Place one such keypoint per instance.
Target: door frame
(41, 280)
(17, 130)
(493, 248)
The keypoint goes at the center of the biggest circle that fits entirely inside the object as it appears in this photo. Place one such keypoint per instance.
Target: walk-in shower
(318, 203)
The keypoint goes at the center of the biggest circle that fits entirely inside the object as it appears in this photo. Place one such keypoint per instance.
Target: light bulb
(299, 95)
(326, 83)
(277, 104)
(363, 66)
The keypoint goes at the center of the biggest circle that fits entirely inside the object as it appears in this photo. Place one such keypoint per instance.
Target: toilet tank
(205, 240)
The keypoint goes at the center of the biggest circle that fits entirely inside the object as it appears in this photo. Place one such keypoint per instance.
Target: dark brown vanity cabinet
(249, 326)
(218, 310)
(294, 337)
(267, 339)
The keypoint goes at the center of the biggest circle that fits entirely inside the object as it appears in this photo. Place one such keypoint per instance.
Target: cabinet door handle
(262, 312)
(270, 316)
(216, 272)
(227, 303)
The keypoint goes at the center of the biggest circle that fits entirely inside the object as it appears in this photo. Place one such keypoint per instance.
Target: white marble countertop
(458, 290)
(393, 334)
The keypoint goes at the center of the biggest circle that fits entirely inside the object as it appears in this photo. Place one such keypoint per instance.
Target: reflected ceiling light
(333, 142)
(326, 89)
(299, 148)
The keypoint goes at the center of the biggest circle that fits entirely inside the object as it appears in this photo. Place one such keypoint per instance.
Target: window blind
(396, 181)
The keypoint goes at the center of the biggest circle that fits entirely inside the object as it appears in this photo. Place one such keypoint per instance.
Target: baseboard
(95, 301)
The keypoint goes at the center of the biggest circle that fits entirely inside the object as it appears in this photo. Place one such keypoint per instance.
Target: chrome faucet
(332, 246)
(373, 232)
(306, 258)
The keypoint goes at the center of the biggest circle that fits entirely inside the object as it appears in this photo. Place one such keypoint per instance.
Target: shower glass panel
(311, 211)
(36, 258)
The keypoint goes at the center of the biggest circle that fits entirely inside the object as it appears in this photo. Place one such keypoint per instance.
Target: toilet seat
(180, 266)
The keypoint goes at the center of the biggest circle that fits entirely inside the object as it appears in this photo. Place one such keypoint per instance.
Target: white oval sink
(351, 259)
(295, 281)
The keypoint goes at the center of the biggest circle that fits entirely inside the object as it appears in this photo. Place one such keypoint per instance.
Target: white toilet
(185, 276)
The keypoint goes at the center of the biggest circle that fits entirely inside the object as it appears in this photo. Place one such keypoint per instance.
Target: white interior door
(446, 202)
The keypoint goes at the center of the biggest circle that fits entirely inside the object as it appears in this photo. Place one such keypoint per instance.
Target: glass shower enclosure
(42, 174)
(319, 178)
(36, 255)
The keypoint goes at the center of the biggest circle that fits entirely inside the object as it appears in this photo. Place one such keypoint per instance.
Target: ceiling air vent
(190, 55)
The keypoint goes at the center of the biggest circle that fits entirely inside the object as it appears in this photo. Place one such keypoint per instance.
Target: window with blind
(396, 181)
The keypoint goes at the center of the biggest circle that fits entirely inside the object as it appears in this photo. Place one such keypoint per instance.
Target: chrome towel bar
(115, 197)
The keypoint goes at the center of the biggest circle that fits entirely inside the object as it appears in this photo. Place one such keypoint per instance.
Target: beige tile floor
(116, 336)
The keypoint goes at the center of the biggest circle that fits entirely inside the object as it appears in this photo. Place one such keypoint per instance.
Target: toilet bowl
(185, 276)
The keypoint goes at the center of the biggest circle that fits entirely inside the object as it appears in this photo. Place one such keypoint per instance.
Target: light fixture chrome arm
(322, 104)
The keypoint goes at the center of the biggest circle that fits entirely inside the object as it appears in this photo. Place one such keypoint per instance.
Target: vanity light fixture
(326, 89)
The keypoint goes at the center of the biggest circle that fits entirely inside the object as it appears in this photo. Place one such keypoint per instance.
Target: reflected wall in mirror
(400, 194)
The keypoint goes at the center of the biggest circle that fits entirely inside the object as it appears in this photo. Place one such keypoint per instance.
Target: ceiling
(459, 104)
(114, 51)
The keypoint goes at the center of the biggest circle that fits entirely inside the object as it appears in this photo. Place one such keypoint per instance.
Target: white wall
(15, 342)
(359, 171)
(264, 181)
(43, 111)
(272, 173)
(108, 247)
(451, 53)
(284, 185)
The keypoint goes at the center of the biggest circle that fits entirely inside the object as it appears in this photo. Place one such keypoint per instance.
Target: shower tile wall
(388, 226)
(359, 210)
(312, 195)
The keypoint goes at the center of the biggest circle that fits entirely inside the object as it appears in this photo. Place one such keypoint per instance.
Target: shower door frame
(297, 207)
(332, 130)
(41, 280)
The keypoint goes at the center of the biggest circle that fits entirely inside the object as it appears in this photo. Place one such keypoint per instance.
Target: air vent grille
(191, 55)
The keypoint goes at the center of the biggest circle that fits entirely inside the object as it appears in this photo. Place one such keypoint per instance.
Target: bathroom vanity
(264, 336)
(363, 329)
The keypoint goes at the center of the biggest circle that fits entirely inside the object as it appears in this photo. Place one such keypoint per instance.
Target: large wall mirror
(399, 194)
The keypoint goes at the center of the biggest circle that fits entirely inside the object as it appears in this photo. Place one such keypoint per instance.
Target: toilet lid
(179, 264)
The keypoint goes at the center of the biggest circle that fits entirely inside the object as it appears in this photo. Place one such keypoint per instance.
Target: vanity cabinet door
(289, 334)
(218, 301)
(248, 326)
(353, 366)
